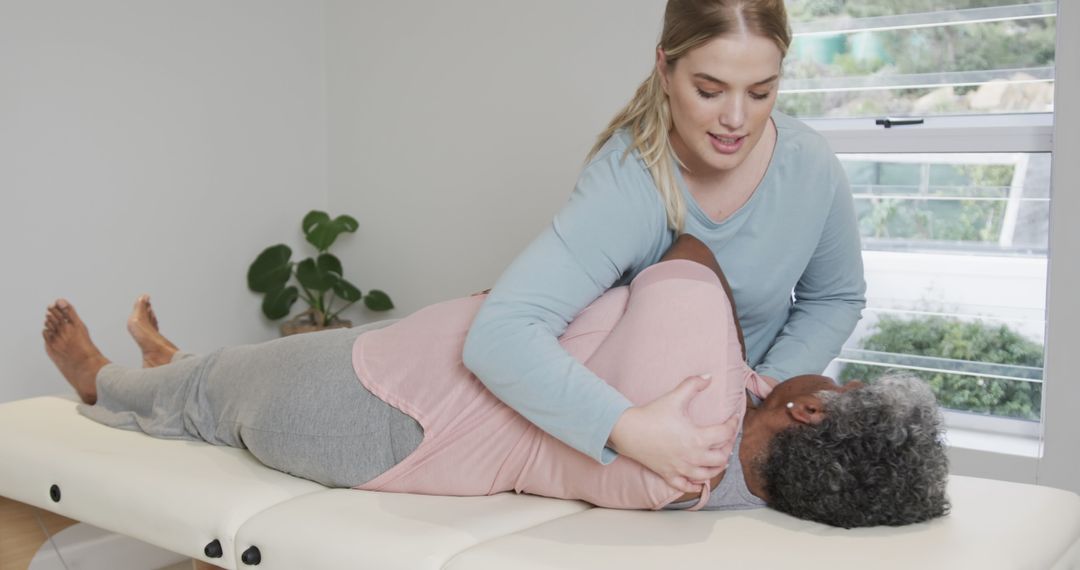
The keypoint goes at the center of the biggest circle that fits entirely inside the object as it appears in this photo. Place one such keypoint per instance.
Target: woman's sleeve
(829, 297)
(613, 223)
(678, 322)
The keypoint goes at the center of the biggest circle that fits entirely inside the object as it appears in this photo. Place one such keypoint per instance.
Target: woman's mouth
(727, 144)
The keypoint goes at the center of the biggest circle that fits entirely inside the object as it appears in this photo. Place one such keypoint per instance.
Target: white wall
(458, 128)
(1060, 466)
(150, 146)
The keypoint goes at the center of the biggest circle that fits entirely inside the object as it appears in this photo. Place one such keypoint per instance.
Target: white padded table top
(181, 495)
(178, 495)
(993, 525)
(347, 528)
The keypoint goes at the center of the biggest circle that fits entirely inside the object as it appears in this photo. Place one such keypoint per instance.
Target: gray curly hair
(878, 458)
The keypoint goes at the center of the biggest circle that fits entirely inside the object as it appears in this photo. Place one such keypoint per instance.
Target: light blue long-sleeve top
(791, 254)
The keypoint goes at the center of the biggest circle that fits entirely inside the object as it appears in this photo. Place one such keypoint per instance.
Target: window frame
(1006, 132)
(991, 133)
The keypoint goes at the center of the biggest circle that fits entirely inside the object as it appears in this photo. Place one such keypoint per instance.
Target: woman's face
(721, 94)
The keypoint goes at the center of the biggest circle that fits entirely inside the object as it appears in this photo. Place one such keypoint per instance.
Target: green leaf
(329, 264)
(312, 277)
(270, 270)
(378, 301)
(312, 219)
(322, 232)
(277, 303)
(346, 223)
(322, 236)
(347, 291)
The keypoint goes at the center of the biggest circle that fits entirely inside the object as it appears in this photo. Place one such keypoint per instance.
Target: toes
(143, 308)
(55, 316)
(68, 310)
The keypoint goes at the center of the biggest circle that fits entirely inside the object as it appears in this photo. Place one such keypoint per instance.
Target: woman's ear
(806, 409)
(662, 68)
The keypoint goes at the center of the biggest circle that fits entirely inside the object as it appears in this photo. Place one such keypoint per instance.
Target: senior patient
(394, 409)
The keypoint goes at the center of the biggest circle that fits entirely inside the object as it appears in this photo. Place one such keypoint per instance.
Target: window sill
(972, 440)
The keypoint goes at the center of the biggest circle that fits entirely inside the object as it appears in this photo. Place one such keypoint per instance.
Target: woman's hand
(662, 437)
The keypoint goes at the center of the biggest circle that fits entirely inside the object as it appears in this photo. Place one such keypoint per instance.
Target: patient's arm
(689, 247)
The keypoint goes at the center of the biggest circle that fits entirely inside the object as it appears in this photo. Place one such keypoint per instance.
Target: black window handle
(888, 122)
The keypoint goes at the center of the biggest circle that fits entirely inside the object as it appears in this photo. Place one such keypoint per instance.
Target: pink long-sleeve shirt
(674, 320)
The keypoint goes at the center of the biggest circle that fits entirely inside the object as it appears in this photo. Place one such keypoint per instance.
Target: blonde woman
(698, 150)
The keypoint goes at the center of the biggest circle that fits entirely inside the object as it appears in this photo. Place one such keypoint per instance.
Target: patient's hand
(662, 437)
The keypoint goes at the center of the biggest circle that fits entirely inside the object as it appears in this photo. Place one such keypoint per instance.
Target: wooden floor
(23, 529)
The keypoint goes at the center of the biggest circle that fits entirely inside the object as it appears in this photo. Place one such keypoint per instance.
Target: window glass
(969, 203)
(919, 57)
(955, 254)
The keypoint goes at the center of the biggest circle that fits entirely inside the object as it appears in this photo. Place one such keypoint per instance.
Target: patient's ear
(806, 409)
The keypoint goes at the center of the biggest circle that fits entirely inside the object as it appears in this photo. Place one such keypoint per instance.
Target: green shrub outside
(972, 341)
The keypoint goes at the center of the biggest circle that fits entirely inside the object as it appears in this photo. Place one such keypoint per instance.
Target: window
(953, 208)
(919, 57)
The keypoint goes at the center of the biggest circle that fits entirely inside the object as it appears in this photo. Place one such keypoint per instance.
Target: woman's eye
(706, 94)
(759, 96)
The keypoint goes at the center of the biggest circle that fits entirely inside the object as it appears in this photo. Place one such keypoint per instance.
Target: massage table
(221, 506)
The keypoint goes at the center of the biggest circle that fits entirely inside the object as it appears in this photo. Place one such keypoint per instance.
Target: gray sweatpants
(295, 403)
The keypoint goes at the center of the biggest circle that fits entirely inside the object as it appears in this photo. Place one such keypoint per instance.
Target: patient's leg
(143, 326)
(294, 402)
(149, 400)
(164, 401)
(68, 344)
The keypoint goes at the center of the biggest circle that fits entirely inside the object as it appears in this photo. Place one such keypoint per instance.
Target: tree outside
(964, 341)
(1022, 47)
(910, 200)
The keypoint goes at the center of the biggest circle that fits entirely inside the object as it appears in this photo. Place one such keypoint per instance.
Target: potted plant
(320, 279)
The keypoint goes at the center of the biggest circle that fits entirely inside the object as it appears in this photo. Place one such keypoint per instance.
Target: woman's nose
(733, 113)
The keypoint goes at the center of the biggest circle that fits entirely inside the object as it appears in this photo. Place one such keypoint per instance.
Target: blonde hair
(687, 25)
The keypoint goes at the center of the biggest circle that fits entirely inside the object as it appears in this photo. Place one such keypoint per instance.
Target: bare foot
(69, 346)
(143, 326)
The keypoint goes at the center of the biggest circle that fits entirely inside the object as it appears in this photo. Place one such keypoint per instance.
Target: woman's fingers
(683, 484)
(704, 473)
(685, 392)
(662, 436)
(717, 458)
(722, 433)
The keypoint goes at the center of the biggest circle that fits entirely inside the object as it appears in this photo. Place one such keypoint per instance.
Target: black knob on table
(251, 556)
(54, 493)
(213, 550)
